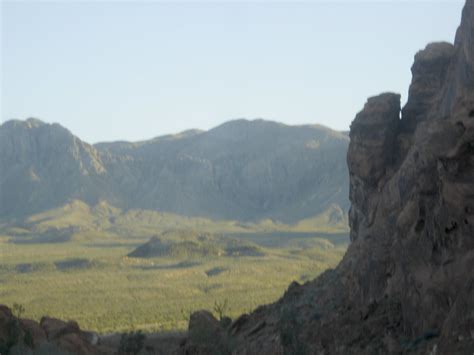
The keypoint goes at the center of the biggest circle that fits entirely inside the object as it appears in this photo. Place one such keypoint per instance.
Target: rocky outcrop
(371, 153)
(428, 77)
(406, 283)
(50, 335)
(206, 335)
(242, 170)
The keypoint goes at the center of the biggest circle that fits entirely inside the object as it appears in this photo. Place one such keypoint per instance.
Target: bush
(18, 310)
(221, 308)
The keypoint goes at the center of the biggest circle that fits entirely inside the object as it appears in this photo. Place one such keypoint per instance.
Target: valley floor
(96, 284)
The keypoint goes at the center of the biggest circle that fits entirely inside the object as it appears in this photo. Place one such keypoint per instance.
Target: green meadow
(73, 263)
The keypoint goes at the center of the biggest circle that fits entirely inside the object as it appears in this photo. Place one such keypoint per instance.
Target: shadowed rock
(51, 335)
(406, 283)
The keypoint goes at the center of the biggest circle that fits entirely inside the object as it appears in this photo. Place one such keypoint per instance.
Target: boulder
(203, 327)
(51, 335)
(76, 343)
(206, 335)
(37, 333)
(55, 328)
(91, 337)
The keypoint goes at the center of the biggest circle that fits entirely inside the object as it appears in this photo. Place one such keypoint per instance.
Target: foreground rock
(49, 336)
(406, 283)
(206, 335)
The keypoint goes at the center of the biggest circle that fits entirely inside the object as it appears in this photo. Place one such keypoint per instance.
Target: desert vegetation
(115, 271)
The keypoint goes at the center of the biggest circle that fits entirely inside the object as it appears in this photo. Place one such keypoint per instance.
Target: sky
(132, 70)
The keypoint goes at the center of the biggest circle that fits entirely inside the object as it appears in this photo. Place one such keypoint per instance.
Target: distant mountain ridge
(241, 170)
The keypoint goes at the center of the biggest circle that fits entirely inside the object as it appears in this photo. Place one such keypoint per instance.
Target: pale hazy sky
(133, 70)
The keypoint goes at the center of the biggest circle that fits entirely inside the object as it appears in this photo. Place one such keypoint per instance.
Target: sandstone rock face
(406, 283)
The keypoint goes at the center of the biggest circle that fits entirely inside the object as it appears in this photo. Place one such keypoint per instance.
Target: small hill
(190, 244)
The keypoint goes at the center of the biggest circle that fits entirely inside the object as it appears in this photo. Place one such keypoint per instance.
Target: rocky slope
(241, 170)
(406, 283)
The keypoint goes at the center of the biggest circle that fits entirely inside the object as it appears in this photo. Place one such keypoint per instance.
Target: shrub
(18, 310)
(221, 308)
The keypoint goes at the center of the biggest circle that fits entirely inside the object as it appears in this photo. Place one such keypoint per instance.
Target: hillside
(242, 170)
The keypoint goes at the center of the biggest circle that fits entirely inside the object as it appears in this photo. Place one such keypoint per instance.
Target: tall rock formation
(406, 283)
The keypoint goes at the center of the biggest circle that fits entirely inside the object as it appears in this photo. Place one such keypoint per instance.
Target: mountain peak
(245, 122)
(28, 123)
(34, 122)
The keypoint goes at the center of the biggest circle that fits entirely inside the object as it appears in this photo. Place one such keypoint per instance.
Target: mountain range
(241, 170)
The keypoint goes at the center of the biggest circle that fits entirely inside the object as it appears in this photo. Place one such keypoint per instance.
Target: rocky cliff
(241, 170)
(406, 283)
